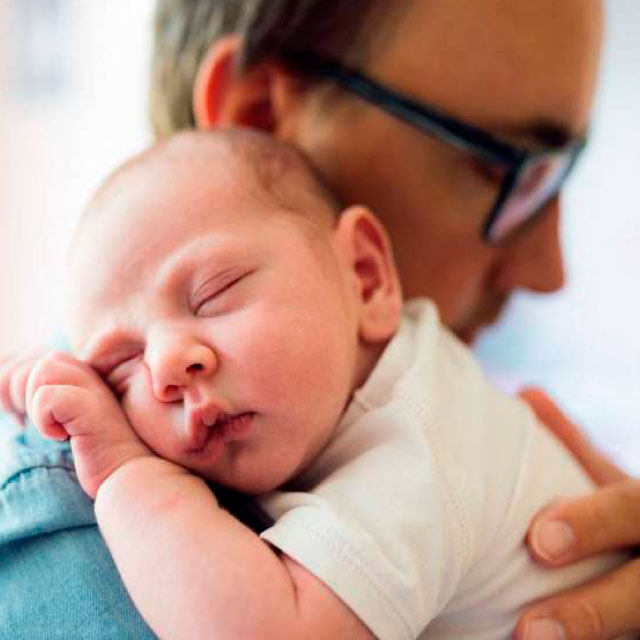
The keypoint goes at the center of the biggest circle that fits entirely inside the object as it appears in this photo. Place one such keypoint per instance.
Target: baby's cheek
(151, 419)
(304, 366)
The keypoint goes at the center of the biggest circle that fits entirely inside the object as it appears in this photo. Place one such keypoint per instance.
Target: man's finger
(571, 530)
(594, 462)
(594, 611)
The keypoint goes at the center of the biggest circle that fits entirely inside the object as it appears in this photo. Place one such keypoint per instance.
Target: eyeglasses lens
(537, 183)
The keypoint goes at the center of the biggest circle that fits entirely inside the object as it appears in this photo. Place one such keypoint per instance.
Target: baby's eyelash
(219, 291)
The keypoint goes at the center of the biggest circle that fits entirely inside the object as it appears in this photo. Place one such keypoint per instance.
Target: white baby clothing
(415, 514)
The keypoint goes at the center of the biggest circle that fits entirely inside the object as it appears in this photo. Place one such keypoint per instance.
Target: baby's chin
(246, 476)
(256, 486)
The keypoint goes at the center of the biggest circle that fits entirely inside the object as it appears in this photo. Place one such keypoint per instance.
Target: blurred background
(73, 104)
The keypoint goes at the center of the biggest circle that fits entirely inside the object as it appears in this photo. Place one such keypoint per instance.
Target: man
(465, 174)
(517, 72)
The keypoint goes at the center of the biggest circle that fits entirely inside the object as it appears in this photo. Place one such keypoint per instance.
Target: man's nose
(176, 361)
(533, 259)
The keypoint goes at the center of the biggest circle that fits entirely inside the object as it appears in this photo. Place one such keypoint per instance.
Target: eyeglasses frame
(433, 121)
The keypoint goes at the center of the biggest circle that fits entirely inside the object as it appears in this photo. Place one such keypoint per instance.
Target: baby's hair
(280, 172)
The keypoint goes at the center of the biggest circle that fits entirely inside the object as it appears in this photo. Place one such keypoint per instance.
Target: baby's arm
(206, 575)
(192, 569)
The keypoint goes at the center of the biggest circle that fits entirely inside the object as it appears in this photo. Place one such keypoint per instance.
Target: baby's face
(226, 326)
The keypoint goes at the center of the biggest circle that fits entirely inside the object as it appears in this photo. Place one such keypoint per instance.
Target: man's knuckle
(591, 624)
(579, 616)
(630, 496)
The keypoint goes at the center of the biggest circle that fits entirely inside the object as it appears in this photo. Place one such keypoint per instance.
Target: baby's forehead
(190, 186)
(183, 190)
(227, 164)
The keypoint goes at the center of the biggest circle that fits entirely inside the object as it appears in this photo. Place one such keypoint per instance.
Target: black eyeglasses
(531, 177)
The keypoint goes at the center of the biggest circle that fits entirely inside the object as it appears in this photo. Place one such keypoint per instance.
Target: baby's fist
(66, 398)
(14, 373)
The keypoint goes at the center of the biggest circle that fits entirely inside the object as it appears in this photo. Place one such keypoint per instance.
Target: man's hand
(66, 398)
(14, 373)
(572, 530)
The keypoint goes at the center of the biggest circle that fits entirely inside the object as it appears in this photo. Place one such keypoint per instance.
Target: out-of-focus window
(40, 57)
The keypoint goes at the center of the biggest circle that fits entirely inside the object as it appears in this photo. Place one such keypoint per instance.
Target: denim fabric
(57, 579)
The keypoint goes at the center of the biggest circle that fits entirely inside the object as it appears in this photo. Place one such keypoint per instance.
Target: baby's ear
(364, 245)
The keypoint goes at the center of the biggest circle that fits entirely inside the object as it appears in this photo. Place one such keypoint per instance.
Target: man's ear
(263, 97)
(364, 244)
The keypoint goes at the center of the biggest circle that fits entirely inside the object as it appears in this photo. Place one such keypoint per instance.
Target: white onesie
(416, 512)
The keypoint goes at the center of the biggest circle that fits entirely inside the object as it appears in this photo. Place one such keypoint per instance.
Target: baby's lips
(198, 423)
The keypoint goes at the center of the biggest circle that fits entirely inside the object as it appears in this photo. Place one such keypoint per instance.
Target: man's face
(223, 323)
(523, 71)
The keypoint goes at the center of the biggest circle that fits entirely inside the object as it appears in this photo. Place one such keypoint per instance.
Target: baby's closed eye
(213, 297)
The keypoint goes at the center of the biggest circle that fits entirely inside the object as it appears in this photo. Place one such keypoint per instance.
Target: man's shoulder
(39, 492)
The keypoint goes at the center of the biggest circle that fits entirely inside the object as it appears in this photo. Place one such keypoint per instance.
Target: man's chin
(473, 328)
(472, 332)
(468, 336)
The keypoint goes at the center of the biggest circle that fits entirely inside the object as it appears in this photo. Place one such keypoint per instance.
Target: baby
(231, 324)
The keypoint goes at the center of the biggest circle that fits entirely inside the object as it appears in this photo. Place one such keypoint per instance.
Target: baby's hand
(14, 373)
(66, 398)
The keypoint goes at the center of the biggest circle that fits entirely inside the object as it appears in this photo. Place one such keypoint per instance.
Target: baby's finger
(18, 384)
(53, 408)
(56, 368)
(6, 367)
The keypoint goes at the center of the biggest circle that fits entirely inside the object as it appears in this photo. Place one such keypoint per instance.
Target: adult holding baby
(488, 84)
(465, 174)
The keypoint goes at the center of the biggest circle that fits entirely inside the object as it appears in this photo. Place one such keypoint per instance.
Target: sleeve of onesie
(352, 521)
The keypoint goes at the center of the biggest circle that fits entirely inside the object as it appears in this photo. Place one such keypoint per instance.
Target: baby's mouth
(210, 429)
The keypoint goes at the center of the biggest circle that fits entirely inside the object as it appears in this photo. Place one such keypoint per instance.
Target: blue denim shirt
(57, 579)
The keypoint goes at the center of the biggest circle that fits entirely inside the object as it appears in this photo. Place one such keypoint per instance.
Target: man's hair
(185, 29)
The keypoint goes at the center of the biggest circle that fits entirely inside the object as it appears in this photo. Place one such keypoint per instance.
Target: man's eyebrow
(542, 131)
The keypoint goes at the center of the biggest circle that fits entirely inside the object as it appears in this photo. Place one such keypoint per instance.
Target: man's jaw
(468, 335)
(485, 317)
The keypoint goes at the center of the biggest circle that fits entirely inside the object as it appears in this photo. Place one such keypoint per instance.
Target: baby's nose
(175, 366)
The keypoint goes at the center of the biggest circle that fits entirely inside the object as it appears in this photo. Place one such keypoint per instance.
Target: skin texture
(238, 303)
(251, 339)
(607, 607)
(431, 197)
(531, 65)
